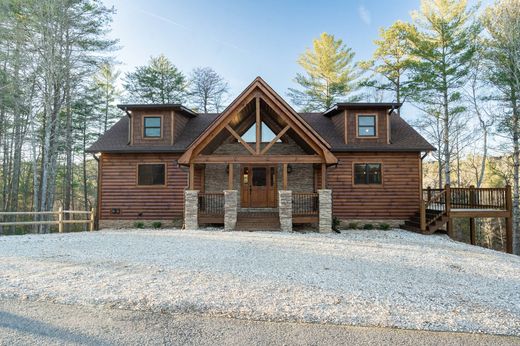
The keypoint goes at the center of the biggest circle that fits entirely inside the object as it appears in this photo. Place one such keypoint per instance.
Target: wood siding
(180, 123)
(166, 128)
(382, 125)
(118, 188)
(396, 198)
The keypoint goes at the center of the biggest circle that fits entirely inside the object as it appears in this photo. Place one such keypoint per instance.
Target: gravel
(370, 278)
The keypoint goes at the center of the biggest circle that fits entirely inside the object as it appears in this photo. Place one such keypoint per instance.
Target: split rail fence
(59, 218)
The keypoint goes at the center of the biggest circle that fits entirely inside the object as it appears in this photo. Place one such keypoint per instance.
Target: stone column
(285, 210)
(230, 209)
(325, 205)
(191, 209)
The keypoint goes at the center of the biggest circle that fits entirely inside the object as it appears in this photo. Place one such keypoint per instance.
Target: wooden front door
(258, 186)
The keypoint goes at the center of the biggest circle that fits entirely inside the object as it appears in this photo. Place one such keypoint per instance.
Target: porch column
(230, 209)
(325, 212)
(191, 209)
(285, 210)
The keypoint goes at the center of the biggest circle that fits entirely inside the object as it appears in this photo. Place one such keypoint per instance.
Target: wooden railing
(305, 203)
(433, 208)
(59, 216)
(211, 203)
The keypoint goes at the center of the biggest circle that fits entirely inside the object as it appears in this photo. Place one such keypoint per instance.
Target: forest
(456, 65)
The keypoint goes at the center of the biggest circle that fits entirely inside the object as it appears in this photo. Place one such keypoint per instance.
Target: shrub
(335, 223)
(353, 225)
(139, 224)
(156, 224)
(368, 226)
(384, 226)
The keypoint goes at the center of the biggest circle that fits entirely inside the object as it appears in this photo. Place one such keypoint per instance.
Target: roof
(338, 107)
(169, 106)
(403, 136)
(115, 140)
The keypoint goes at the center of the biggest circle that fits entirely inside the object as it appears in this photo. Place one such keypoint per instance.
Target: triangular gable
(259, 89)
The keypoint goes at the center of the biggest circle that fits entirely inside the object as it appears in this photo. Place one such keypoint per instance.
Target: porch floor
(258, 221)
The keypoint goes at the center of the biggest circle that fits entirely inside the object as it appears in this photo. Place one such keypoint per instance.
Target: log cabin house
(261, 165)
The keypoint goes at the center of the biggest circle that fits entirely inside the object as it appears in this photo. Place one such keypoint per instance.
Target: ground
(364, 278)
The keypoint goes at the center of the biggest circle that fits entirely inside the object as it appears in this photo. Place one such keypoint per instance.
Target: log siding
(118, 188)
(396, 198)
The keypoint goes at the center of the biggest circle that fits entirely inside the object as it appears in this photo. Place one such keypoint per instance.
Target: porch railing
(305, 203)
(211, 207)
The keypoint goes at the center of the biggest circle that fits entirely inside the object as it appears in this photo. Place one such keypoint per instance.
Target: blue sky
(245, 39)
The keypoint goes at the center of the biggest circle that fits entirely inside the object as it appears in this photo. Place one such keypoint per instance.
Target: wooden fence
(60, 221)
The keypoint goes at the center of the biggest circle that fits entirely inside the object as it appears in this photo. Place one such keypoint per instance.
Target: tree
(502, 22)
(104, 86)
(207, 89)
(158, 82)
(441, 45)
(391, 61)
(330, 77)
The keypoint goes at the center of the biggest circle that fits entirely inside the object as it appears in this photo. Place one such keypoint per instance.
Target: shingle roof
(403, 136)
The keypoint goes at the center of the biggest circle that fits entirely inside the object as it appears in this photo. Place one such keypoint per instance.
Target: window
(366, 125)
(367, 173)
(151, 174)
(152, 127)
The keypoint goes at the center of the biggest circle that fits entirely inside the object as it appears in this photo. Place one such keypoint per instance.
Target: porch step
(413, 224)
(258, 221)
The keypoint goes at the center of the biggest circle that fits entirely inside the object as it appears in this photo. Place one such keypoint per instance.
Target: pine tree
(104, 86)
(391, 61)
(158, 82)
(330, 75)
(441, 44)
(502, 22)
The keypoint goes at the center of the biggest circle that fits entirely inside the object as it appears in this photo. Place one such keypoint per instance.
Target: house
(259, 164)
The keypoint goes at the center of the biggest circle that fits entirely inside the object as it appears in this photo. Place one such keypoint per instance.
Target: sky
(245, 39)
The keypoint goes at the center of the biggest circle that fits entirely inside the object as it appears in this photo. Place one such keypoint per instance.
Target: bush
(335, 223)
(139, 224)
(384, 226)
(353, 225)
(368, 226)
(156, 224)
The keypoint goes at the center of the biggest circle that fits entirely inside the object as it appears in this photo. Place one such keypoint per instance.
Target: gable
(256, 105)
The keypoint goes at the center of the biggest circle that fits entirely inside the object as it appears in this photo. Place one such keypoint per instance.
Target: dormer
(155, 124)
(363, 122)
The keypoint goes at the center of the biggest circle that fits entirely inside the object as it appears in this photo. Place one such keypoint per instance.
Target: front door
(258, 186)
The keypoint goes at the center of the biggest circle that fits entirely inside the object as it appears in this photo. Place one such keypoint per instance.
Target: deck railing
(469, 197)
(211, 204)
(305, 203)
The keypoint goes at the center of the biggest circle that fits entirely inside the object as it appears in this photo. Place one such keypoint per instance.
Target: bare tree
(207, 89)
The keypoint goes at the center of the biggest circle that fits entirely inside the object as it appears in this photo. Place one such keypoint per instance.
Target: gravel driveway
(371, 278)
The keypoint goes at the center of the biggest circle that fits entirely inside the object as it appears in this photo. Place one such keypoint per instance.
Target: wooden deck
(439, 207)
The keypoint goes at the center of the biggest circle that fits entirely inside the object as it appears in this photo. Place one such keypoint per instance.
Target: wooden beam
(509, 220)
(272, 159)
(230, 176)
(191, 177)
(278, 136)
(258, 126)
(323, 176)
(284, 176)
(472, 235)
(240, 140)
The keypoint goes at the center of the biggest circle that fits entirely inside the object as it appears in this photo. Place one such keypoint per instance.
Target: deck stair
(414, 223)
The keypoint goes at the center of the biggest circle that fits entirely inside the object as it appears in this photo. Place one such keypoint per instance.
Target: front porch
(258, 166)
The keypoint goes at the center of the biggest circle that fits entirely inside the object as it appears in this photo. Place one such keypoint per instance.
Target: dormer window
(152, 126)
(367, 125)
